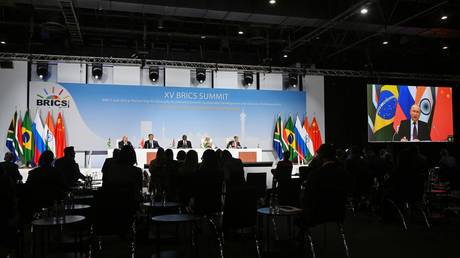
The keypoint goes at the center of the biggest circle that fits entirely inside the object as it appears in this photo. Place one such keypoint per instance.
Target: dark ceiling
(324, 33)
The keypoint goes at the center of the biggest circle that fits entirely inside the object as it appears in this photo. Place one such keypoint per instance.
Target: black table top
(161, 204)
(284, 211)
(175, 218)
(53, 221)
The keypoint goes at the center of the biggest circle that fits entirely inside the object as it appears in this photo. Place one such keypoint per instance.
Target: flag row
(300, 139)
(28, 139)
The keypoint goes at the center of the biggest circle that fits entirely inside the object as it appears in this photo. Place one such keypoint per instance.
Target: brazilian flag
(289, 138)
(27, 141)
(385, 113)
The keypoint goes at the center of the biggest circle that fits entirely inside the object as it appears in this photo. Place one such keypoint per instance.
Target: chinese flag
(315, 134)
(60, 137)
(442, 124)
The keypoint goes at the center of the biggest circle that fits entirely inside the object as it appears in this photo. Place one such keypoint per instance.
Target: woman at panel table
(234, 144)
(207, 143)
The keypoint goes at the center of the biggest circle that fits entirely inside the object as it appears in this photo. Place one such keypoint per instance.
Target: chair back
(289, 192)
(258, 181)
(240, 207)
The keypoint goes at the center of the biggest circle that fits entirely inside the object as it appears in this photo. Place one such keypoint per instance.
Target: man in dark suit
(184, 143)
(124, 142)
(151, 143)
(10, 168)
(234, 144)
(68, 168)
(413, 129)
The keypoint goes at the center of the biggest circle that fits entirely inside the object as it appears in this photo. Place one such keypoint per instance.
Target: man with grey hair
(413, 129)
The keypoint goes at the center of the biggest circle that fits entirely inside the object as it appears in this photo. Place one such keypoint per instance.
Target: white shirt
(412, 130)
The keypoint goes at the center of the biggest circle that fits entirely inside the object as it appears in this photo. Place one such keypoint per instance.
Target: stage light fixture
(97, 71)
(160, 25)
(385, 42)
(364, 11)
(3, 42)
(272, 2)
(240, 32)
(444, 17)
(293, 80)
(248, 78)
(42, 70)
(445, 47)
(200, 75)
(203, 37)
(285, 55)
(154, 73)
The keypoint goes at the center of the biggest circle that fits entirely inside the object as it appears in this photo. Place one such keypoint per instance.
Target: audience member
(283, 170)
(68, 168)
(326, 189)
(186, 174)
(109, 162)
(233, 170)
(45, 184)
(158, 172)
(10, 168)
(181, 155)
(124, 175)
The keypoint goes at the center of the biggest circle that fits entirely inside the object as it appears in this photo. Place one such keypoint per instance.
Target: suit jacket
(69, 170)
(11, 170)
(181, 144)
(153, 145)
(405, 129)
(120, 144)
(230, 144)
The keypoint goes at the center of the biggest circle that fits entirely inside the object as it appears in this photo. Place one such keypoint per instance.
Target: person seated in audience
(233, 170)
(356, 166)
(158, 173)
(448, 168)
(186, 174)
(124, 175)
(171, 175)
(68, 168)
(124, 141)
(10, 168)
(234, 144)
(184, 143)
(45, 184)
(9, 214)
(283, 170)
(181, 155)
(326, 188)
(109, 162)
(151, 143)
(207, 185)
(207, 143)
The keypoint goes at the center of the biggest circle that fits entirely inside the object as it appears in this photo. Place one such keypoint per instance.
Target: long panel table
(144, 156)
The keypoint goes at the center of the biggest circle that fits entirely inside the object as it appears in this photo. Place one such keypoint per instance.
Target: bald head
(415, 112)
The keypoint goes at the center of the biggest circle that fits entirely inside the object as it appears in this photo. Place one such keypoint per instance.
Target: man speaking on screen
(413, 129)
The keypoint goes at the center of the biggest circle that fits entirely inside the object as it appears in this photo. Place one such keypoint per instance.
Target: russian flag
(39, 137)
(405, 102)
(301, 138)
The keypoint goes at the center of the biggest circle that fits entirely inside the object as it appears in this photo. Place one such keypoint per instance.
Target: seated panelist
(151, 143)
(124, 142)
(234, 144)
(184, 143)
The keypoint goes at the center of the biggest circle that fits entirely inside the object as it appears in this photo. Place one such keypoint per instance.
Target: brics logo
(53, 99)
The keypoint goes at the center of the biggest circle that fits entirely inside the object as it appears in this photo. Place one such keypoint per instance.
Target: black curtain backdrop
(346, 115)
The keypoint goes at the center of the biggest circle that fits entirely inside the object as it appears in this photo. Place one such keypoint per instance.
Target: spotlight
(364, 10)
(385, 42)
(444, 17)
(160, 25)
(203, 37)
(3, 42)
(200, 75)
(285, 55)
(445, 47)
(272, 2)
(292, 80)
(154, 73)
(97, 71)
(42, 70)
(248, 78)
(240, 32)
